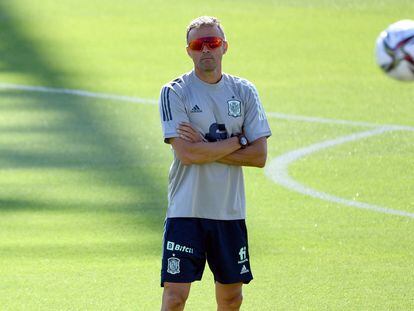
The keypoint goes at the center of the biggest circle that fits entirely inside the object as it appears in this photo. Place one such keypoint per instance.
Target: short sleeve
(172, 112)
(255, 121)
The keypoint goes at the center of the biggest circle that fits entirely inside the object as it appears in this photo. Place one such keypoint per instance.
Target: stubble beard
(209, 66)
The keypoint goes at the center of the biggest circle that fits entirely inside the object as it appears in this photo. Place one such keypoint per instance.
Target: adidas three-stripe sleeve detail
(165, 104)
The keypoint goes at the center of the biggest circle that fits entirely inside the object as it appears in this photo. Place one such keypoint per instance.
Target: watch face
(243, 141)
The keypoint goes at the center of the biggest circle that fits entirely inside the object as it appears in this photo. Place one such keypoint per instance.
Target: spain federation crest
(234, 107)
(173, 265)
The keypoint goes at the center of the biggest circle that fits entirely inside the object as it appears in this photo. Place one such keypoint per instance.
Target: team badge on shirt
(173, 265)
(234, 107)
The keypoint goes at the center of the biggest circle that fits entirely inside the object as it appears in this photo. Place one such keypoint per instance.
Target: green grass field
(83, 180)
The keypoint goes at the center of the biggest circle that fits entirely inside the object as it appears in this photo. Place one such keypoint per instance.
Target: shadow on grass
(74, 145)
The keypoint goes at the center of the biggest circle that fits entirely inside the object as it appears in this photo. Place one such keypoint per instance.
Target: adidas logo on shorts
(244, 270)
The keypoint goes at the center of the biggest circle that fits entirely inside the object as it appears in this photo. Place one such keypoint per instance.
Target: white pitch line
(335, 121)
(319, 120)
(44, 89)
(277, 170)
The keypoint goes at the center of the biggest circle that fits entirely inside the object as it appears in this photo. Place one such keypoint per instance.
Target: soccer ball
(395, 50)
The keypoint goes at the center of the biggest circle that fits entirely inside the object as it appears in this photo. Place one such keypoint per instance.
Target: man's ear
(188, 51)
(225, 46)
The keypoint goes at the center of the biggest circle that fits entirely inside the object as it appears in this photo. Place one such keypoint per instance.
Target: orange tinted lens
(196, 45)
(212, 43)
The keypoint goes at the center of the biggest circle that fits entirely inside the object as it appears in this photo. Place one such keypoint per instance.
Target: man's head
(206, 43)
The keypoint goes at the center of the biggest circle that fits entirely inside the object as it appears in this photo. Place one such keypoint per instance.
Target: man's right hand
(188, 133)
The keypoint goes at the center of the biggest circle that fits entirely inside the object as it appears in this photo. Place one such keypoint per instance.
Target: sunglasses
(211, 42)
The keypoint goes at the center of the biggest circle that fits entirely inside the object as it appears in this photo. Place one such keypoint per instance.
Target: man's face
(206, 60)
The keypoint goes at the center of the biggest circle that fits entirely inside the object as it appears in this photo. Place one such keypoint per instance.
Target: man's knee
(174, 297)
(231, 302)
(174, 301)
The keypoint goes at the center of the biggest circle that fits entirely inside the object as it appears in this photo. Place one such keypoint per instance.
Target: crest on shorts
(234, 108)
(173, 265)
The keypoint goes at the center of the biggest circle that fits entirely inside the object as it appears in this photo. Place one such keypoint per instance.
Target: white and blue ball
(395, 50)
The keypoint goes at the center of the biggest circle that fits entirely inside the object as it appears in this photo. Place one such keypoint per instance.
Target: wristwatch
(243, 141)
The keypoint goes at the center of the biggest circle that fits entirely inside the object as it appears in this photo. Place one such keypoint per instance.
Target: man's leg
(175, 296)
(229, 296)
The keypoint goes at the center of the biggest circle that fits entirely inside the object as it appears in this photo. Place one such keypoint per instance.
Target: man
(215, 124)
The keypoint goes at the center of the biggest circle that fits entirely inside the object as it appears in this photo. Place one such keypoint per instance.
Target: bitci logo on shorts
(171, 246)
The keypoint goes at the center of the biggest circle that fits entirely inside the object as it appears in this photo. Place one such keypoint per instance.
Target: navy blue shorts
(189, 242)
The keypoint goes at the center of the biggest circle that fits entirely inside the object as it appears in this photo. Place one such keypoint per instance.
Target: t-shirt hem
(168, 136)
(210, 218)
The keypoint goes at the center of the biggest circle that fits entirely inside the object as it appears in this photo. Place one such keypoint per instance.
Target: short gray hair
(205, 21)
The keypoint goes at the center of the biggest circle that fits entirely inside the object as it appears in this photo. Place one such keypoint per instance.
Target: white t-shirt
(218, 111)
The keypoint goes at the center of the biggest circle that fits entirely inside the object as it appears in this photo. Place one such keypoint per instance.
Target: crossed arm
(192, 148)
